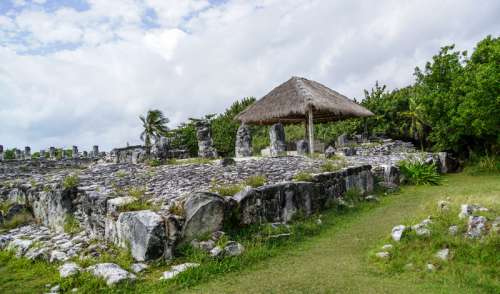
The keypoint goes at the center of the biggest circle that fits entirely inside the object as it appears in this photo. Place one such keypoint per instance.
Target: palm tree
(416, 114)
(155, 126)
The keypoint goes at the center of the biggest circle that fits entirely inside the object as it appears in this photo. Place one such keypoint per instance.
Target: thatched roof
(289, 103)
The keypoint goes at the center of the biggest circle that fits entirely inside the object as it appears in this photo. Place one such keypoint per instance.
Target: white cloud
(201, 58)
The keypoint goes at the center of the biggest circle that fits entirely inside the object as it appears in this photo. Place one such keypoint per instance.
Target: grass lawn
(334, 259)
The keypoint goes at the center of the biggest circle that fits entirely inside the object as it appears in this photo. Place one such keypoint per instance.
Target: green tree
(155, 126)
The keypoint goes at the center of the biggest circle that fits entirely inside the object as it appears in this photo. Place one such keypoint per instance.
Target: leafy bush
(71, 181)
(256, 181)
(331, 166)
(303, 177)
(419, 173)
(177, 208)
(153, 162)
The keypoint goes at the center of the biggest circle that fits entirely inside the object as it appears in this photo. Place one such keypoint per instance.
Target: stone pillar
(1, 153)
(85, 154)
(205, 143)
(302, 147)
(52, 153)
(243, 142)
(75, 152)
(42, 154)
(95, 151)
(277, 137)
(27, 152)
(18, 154)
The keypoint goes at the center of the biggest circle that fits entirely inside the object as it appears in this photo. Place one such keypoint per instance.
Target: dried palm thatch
(291, 102)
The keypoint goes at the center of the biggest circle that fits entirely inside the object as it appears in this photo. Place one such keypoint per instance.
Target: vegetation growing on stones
(303, 177)
(71, 224)
(226, 189)
(255, 181)
(419, 173)
(70, 181)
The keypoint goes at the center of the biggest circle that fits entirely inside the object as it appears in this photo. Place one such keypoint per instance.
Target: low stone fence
(154, 234)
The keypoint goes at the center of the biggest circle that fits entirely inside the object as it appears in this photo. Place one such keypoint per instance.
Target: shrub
(353, 195)
(303, 177)
(419, 173)
(17, 220)
(330, 166)
(71, 181)
(71, 224)
(226, 189)
(256, 181)
(177, 208)
(484, 165)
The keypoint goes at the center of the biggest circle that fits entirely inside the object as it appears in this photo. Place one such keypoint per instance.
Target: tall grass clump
(256, 181)
(487, 164)
(419, 173)
(71, 181)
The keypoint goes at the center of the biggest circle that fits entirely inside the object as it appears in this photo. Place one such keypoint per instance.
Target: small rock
(387, 247)
(58, 256)
(430, 267)
(421, 230)
(453, 230)
(319, 222)
(371, 198)
(74, 290)
(408, 266)
(20, 246)
(397, 232)
(495, 226)
(468, 209)
(476, 226)
(233, 249)
(69, 269)
(138, 267)
(383, 255)
(111, 273)
(443, 205)
(55, 289)
(217, 235)
(443, 254)
(177, 269)
(216, 251)
(203, 245)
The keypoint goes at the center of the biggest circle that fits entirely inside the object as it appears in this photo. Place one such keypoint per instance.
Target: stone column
(277, 137)
(1, 153)
(75, 152)
(243, 142)
(302, 147)
(27, 152)
(85, 154)
(95, 151)
(52, 153)
(205, 143)
(42, 154)
(18, 154)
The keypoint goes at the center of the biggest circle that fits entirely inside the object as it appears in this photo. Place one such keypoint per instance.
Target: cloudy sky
(80, 72)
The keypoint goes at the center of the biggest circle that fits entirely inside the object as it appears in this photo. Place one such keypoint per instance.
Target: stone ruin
(277, 138)
(243, 142)
(181, 206)
(205, 142)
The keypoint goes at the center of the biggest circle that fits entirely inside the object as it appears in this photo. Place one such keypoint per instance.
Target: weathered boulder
(20, 246)
(277, 137)
(204, 214)
(302, 147)
(227, 161)
(143, 231)
(342, 140)
(110, 272)
(397, 232)
(243, 146)
(383, 255)
(233, 249)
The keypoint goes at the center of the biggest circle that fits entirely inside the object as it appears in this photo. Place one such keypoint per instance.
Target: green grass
(255, 181)
(226, 189)
(332, 257)
(303, 177)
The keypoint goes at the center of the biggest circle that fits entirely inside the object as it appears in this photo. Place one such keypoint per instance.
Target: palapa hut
(301, 100)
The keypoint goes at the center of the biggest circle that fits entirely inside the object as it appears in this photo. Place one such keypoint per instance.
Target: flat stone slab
(111, 273)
